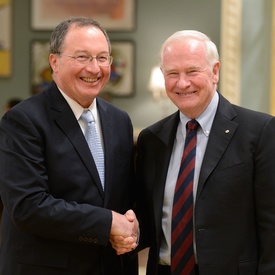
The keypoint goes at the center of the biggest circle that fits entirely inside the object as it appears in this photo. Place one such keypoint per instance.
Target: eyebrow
(87, 52)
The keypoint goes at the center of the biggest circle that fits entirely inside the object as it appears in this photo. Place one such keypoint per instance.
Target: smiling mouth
(89, 79)
(185, 94)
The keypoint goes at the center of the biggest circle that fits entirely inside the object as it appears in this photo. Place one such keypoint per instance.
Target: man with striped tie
(205, 173)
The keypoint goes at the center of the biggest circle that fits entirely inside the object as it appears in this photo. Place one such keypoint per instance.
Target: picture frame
(121, 83)
(272, 80)
(40, 69)
(113, 15)
(5, 38)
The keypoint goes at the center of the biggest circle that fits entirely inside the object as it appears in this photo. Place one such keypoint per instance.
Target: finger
(130, 215)
(130, 240)
(128, 243)
(122, 240)
(116, 238)
(124, 250)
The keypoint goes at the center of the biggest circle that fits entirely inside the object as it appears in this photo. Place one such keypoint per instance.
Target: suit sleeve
(265, 197)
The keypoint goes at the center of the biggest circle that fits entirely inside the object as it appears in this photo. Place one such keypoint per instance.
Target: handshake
(124, 232)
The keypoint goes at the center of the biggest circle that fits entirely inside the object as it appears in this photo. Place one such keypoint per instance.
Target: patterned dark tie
(182, 255)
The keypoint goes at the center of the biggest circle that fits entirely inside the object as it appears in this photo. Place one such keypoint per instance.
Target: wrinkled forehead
(186, 50)
(189, 45)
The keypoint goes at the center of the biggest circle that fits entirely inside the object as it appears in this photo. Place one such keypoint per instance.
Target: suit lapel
(166, 133)
(222, 131)
(67, 122)
(107, 128)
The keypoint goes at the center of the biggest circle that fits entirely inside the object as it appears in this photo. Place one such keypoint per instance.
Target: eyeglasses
(102, 60)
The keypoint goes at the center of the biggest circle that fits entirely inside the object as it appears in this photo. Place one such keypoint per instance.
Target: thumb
(130, 215)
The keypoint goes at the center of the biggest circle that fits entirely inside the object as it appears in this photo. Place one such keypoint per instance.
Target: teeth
(88, 79)
(186, 94)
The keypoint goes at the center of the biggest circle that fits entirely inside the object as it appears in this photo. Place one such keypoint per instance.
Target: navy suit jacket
(57, 217)
(235, 203)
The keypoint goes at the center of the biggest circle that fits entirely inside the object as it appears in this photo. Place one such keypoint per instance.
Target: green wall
(256, 54)
(156, 20)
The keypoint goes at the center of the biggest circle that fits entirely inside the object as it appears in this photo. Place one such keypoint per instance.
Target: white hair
(212, 54)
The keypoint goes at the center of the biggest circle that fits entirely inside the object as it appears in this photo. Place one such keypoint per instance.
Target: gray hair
(212, 54)
(59, 33)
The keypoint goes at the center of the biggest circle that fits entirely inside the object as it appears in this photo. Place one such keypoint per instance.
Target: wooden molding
(231, 50)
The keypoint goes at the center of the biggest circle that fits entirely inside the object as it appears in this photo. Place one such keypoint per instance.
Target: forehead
(184, 51)
(88, 35)
(184, 47)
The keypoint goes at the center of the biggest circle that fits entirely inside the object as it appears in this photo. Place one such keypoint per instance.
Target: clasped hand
(124, 232)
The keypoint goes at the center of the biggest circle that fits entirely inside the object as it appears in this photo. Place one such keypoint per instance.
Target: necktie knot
(87, 116)
(192, 125)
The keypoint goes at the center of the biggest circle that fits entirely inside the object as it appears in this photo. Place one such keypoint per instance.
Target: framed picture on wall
(40, 69)
(121, 83)
(5, 38)
(113, 15)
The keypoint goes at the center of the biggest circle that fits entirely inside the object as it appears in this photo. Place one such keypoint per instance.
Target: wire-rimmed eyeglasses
(102, 59)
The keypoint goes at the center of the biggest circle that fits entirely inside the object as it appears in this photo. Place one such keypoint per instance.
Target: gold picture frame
(5, 38)
(121, 83)
(113, 15)
(40, 68)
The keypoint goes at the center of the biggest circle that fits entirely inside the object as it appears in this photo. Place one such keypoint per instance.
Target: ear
(216, 72)
(53, 61)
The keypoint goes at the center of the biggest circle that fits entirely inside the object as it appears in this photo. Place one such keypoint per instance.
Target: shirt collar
(207, 117)
(78, 109)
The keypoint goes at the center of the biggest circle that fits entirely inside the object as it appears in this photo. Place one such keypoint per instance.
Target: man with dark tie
(67, 168)
(206, 173)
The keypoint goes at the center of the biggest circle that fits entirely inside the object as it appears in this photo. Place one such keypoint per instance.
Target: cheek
(62, 68)
(169, 84)
(106, 71)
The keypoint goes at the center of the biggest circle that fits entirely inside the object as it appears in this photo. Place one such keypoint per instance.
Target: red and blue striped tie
(182, 254)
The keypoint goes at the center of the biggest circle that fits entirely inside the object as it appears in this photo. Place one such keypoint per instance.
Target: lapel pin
(226, 131)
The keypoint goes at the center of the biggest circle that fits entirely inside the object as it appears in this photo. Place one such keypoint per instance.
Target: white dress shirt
(78, 110)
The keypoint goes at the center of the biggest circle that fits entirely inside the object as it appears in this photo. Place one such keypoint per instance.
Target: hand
(124, 231)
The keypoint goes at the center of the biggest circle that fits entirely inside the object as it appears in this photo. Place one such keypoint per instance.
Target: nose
(92, 66)
(183, 81)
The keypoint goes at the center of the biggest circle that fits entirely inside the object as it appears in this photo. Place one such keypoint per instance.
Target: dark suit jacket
(57, 217)
(235, 205)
